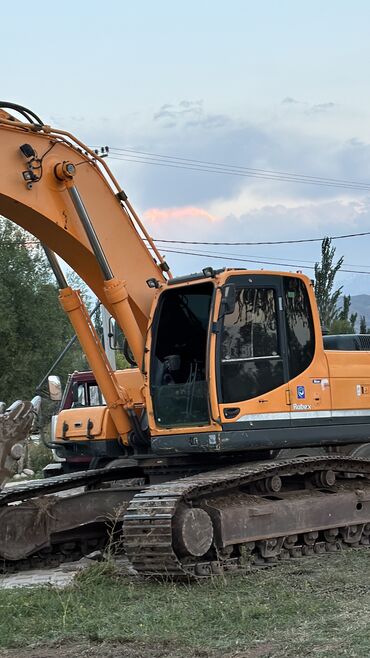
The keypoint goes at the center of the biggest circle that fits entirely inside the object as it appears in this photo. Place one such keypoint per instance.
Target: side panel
(86, 423)
(350, 384)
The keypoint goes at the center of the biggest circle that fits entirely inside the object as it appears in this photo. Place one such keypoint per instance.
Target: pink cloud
(156, 215)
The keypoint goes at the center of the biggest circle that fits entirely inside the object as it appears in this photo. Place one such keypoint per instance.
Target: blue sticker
(301, 394)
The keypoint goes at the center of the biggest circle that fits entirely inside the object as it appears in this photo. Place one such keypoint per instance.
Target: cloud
(271, 222)
(158, 215)
(321, 107)
(288, 100)
(203, 136)
(310, 108)
(181, 202)
(183, 109)
(189, 114)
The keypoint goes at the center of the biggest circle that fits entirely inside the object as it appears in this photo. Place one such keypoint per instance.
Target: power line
(263, 259)
(165, 241)
(238, 167)
(265, 243)
(248, 260)
(282, 179)
(218, 256)
(224, 256)
(146, 157)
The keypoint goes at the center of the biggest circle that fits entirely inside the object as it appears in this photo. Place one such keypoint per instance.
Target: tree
(344, 323)
(33, 327)
(75, 281)
(325, 273)
(363, 327)
(98, 324)
(334, 319)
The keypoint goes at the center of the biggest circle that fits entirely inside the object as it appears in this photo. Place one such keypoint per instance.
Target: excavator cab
(232, 352)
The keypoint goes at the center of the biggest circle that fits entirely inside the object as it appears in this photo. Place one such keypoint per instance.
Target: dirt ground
(127, 650)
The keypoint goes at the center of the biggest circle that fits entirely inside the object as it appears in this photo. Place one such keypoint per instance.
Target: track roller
(269, 485)
(324, 478)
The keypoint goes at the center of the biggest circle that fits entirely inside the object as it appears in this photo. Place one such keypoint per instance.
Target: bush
(38, 457)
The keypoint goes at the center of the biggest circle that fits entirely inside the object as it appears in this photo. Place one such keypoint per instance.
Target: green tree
(98, 323)
(325, 272)
(334, 319)
(344, 323)
(33, 327)
(75, 281)
(363, 327)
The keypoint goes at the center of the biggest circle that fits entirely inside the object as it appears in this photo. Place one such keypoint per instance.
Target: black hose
(127, 353)
(141, 440)
(27, 114)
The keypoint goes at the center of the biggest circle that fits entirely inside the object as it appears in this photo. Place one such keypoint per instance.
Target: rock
(97, 556)
(74, 567)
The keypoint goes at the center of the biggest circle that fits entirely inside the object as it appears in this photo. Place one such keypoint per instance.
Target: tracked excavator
(238, 440)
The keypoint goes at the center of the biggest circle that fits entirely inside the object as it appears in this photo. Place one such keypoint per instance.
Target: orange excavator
(239, 439)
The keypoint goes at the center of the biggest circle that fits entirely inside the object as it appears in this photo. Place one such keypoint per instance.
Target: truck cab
(80, 391)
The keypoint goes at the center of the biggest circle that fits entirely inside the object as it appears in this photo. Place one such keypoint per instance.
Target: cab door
(253, 374)
(309, 382)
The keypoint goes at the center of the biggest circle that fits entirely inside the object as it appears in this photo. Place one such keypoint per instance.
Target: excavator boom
(33, 197)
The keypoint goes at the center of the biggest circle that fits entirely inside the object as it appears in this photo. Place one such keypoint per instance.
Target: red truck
(81, 390)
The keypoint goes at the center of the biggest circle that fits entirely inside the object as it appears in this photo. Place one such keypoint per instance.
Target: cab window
(251, 360)
(95, 397)
(299, 326)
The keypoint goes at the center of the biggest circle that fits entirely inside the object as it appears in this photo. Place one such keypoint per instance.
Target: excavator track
(201, 525)
(41, 529)
(58, 483)
(192, 527)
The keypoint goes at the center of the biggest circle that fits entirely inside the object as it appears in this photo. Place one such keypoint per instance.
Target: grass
(318, 607)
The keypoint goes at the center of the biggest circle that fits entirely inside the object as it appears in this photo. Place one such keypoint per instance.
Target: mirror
(228, 299)
(55, 387)
(116, 337)
(75, 396)
(117, 341)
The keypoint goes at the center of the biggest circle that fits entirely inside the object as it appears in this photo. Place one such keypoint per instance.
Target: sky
(277, 86)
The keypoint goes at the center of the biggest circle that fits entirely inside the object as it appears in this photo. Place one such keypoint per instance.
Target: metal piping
(54, 264)
(90, 232)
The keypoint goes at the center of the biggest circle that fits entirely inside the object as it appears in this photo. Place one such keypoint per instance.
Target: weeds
(315, 607)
